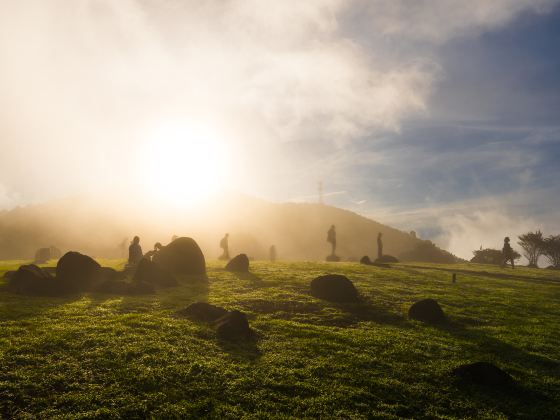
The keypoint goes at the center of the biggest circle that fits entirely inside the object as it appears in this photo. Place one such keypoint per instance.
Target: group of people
(507, 250)
(331, 238)
(135, 253)
(135, 250)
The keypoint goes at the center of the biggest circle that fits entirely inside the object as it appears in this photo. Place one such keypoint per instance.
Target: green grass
(104, 356)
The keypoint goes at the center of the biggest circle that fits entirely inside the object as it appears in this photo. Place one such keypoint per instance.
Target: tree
(551, 250)
(491, 256)
(532, 244)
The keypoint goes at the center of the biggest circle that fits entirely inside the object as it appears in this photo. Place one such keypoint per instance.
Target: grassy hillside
(108, 356)
(298, 230)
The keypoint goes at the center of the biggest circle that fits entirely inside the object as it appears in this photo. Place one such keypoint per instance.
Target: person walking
(507, 254)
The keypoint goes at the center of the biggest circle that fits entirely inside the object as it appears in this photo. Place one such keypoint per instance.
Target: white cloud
(78, 80)
(464, 226)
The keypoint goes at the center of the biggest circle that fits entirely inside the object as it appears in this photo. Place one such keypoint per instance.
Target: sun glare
(184, 163)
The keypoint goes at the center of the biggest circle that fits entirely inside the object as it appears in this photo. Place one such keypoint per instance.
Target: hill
(298, 230)
(107, 356)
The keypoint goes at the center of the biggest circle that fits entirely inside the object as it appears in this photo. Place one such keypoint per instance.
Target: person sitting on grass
(157, 248)
(134, 252)
(507, 253)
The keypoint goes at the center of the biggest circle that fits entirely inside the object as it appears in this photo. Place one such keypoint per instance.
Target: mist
(88, 88)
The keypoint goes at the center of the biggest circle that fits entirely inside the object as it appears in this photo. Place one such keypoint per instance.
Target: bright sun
(184, 163)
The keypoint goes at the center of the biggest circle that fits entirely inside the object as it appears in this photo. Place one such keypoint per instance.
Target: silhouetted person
(273, 253)
(379, 245)
(157, 248)
(331, 238)
(507, 253)
(224, 244)
(134, 251)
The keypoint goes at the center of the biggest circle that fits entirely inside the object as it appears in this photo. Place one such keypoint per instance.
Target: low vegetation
(102, 356)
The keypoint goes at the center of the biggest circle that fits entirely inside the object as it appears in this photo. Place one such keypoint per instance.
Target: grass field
(104, 356)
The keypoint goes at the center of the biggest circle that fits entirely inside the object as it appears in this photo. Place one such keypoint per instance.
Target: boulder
(333, 258)
(31, 280)
(204, 312)
(483, 373)
(77, 272)
(386, 259)
(234, 326)
(181, 257)
(239, 263)
(150, 272)
(426, 310)
(335, 288)
(42, 255)
(365, 260)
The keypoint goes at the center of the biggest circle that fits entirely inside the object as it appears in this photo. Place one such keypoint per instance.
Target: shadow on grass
(363, 311)
(494, 346)
(516, 402)
(252, 278)
(17, 307)
(241, 350)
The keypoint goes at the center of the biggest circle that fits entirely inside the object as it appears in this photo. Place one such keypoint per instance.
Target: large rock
(234, 326)
(181, 257)
(42, 255)
(335, 288)
(484, 373)
(365, 260)
(204, 312)
(77, 272)
(31, 280)
(426, 310)
(150, 272)
(239, 263)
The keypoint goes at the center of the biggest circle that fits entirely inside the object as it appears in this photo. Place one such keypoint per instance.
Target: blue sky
(487, 147)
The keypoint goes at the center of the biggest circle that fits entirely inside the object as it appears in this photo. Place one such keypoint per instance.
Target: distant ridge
(298, 230)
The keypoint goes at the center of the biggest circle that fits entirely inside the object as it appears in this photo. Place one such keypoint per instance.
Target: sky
(439, 116)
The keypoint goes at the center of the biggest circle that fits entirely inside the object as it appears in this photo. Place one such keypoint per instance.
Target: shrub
(551, 250)
(491, 256)
(532, 244)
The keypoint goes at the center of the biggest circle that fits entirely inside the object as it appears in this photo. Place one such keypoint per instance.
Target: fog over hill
(103, 229)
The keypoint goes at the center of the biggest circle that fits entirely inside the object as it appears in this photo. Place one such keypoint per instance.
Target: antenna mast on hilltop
(321, 192)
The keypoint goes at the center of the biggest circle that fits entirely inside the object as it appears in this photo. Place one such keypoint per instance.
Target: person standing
(134, 252)
(331, 238)
(379, 245)
(507, 253)
(224, 244)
